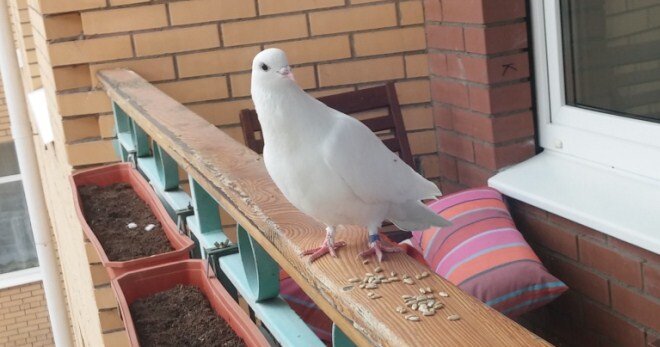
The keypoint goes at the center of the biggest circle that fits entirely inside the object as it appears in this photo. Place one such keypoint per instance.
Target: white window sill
(613, 202)
(19, 278)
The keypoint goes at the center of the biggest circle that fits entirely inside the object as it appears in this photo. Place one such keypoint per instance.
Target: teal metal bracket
(140, 140)
(166, 168)
(262, 272)
(339, 339)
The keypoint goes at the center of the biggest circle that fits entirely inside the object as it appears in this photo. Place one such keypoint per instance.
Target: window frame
(623, 143)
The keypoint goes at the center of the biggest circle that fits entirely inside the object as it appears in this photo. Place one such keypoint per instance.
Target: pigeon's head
(270, 67)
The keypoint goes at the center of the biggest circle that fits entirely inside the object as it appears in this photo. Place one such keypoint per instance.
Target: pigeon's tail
(414, 215)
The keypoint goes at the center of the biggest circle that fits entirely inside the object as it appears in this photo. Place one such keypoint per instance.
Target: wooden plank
(236, 177)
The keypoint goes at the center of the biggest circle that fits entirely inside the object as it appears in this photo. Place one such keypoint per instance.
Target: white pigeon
(331, 166)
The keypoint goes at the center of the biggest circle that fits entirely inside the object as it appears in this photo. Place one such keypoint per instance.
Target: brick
(107, 126)
(99, 274)
(71, 77)
(634, 250)
(633, 304)
(116, 339)
(177, 40)
(433, 10)
(548, 235)
(389, 41)
(417, 65)
(445, 37)
(110, 320)
(651, 275)
(370, 70)
(267, 7)
(625, 268)
(448, 167)
(199, 89)
(430, 165)
(497, 39)
(423, 142)
(437, 64)
(580, 279)
(581, 230)
(450, 92)
(80, 128)
(488, 70)
(200, 11)
(413, 91)
(503, 10)
(216, 62)
(442, 116)
(511, 127)
(462, 11)
(497, 157)
(152, 69)
(90, 50)
(126, 2)
(264, 30)
(124, 19)
(222, 113)
(472, 175)
(411, 12)
(473, 124)
(57, 26)
(501, 99)
(455, 145)
(417, 118)
(75, 104)
(93, 152)
(58, 6)
(316, 50)
(353, 19)
(105, 298)
(518, 207)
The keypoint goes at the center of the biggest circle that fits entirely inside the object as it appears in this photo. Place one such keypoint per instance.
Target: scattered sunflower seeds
(378, 269)
(438, 305)
(392, 274)
(347, 288)
(429, 313)
(443, 294)
(362, 286)
(408, 281)
(414, 307)
(365, 262)
(376, 296)
(422, 290)
(371, 286)
(412, 318)
(149, 227)
(393, 279)
(454, 317)
(131, 225)
(428, 290)
(404, 297)
(401, 310)
(419, 277)
(354, 280)
(424, 274)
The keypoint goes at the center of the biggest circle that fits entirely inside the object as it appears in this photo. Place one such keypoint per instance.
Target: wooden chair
(364, 104)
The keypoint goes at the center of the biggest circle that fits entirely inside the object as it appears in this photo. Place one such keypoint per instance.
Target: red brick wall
(482, 104)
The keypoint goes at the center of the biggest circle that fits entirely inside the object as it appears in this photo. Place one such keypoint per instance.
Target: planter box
(145, 282)
(124, 173)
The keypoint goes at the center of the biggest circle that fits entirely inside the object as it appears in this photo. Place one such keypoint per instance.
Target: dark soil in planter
(110, 209)
(181, 316)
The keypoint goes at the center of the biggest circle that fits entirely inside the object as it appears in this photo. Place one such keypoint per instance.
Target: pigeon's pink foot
(377, 248)
(326, 247)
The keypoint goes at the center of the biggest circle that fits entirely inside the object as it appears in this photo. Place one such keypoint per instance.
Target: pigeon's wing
(368, 167)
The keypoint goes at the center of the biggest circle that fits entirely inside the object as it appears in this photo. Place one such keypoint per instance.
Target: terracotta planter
(145, 282)
(124, 173)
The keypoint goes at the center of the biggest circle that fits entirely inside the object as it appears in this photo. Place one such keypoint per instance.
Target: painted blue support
(124, 145)
(140, 140)
(262, 272)
(339, 339)
(282, 322)
(166, 168)
(205, 224)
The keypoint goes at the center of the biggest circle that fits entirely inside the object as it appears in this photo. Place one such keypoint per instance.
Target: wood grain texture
(236, 177)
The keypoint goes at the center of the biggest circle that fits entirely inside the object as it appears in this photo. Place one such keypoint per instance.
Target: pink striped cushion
(484, 254)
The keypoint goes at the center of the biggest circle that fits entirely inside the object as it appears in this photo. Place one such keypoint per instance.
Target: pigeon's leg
(376, 247)
(329, 245)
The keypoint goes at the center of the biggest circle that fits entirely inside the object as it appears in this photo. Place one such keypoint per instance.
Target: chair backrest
(389, 127)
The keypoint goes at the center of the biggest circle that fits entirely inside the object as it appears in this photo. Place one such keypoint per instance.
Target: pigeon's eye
(264, 67)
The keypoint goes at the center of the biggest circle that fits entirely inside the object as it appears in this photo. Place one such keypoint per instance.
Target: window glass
(612, 56)
(17, 250)
(8, 161)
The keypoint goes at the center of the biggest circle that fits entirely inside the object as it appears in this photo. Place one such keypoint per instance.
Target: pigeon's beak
(286, 72)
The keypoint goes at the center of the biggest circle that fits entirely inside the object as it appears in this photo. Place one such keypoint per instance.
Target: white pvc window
(598, 81)
(18, 256)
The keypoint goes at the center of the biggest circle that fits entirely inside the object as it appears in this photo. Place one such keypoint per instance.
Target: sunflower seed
(408, 281)
(131, 225)
(393, 279)
(371, 286)
(422, 307)
(429, 313)
(378, 269)
(454, 317)
(421, 290)
(430, 303)
(365, 262)
(405, 276)
(370, 294)
(369, 274)
(443, 294)
(438, 306)
(392, 274)
(429, 296)
(362, 286)
(149, 227)
(354, 280)
(376, 296)
(424, 274)
(412, 318)
(414, 307)
(347, 288)
(385, 280)
(401, 310)
(419, 277)
(406, 297)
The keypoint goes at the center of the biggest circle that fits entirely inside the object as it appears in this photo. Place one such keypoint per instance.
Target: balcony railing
(159, 134)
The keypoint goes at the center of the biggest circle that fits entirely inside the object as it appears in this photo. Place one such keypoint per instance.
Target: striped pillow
(484, 254)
